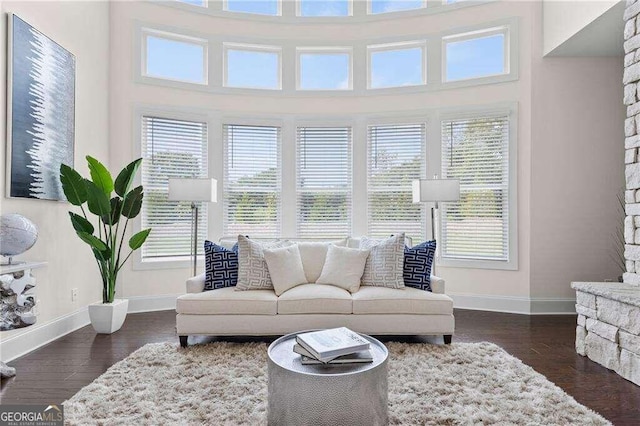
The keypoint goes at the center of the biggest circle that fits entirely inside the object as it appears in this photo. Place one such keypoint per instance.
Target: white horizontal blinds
(252, 180)
(323, 182)
(171, 149)
(476, 151)
(396, 156)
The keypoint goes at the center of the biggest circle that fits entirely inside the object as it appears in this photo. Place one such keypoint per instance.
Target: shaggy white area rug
(226, 384)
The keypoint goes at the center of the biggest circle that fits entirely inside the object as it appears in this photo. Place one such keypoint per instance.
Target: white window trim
(403, 11)
(137, 262)
(512, 112)
(225, 9)
(510, 55)
(250, 48)
(375, 48)
(149, 32)
(323, 18)
(329, 50)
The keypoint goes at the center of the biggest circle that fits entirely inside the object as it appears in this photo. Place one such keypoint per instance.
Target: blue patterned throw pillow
(221, 266)
(418, 261)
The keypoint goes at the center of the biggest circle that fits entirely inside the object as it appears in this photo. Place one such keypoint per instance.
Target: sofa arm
(437, 284)
(196, 284)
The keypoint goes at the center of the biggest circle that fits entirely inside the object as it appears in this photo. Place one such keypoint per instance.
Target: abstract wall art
(41, 112)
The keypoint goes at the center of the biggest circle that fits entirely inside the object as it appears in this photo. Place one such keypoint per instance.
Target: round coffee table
(351, 394)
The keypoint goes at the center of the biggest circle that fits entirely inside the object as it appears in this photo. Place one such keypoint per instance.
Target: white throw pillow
(385, 264)
(313, 255)
(253, 273)
(285, 268)
(343, 267)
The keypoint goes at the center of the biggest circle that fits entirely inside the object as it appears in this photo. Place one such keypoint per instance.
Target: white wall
(82, 28)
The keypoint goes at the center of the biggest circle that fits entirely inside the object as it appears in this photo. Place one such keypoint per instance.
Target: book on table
(327, 345)
(355, 358)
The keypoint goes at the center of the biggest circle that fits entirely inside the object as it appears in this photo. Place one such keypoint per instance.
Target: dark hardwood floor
(58, 370)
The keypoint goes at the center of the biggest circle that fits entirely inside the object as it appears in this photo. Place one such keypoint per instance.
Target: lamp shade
(436, 190)
(193, 189)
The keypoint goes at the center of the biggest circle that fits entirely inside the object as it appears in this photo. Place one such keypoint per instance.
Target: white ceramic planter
(107, 318)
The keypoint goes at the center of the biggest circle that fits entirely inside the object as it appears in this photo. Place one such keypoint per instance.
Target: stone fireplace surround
(608, 330)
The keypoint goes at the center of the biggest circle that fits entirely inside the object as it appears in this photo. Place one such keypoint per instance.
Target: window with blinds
(252, 180)
(171, 149)
(323, 182)
(476, 151)
(396, 156)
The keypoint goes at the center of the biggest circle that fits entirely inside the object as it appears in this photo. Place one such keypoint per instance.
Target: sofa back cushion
(418, 261)
(384, 266)
(221, 266)
(313, 255)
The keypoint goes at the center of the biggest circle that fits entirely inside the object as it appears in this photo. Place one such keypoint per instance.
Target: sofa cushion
(221, 266)
(385, 261)
(315, 299)
(343, 267)
(227, 301)
(285, 268)
(383, 300)
(313, 255)
(418, 262)
(253, 273)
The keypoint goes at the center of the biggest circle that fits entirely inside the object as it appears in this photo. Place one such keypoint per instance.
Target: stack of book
(332, 347)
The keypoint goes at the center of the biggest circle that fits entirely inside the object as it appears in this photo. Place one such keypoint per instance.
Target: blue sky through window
(253, 69)
(322, 71)
(385, 6)
(176, 60)
(324, 7)
(260, 7)
(391, 68)
(478, 57)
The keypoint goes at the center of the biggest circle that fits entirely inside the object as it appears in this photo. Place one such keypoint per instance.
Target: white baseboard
(515, 305)
(164, 302)
(39, 335)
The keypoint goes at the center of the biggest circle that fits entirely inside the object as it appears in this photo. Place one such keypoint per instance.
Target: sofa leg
(183, 341)
(447, 339)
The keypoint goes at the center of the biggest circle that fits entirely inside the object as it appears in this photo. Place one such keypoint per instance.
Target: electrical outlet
(74, 294)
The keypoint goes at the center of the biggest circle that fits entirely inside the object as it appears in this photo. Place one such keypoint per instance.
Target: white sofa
(370, 310)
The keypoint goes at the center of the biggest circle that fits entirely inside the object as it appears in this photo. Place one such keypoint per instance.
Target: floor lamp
(194, 190)
(435, 191)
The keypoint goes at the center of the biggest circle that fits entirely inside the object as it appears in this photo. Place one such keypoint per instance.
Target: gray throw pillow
(384, 267)
(253, 273)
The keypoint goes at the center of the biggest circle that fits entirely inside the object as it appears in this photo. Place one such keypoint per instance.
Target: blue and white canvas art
(41, 112)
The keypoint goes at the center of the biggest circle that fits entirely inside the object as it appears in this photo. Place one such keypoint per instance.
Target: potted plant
(105, 231)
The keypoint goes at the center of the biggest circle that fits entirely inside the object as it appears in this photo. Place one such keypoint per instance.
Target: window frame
(511, 111)
(321, 50)
(390, 47)
(183, 38)
(137, 261)
(256, 48)
(504, 30)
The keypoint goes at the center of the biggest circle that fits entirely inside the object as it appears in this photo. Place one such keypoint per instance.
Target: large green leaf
(73, 185)
(93, 241)
(102, 256)
(100, 175)
(97, 200)
(114, 216)
(125, 177)
(81, 224)
(136, 241)
(132, 203)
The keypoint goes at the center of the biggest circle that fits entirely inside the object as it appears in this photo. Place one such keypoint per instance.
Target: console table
(17, 295)
(608, 330)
